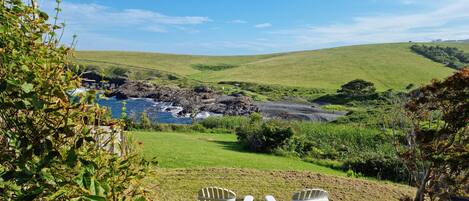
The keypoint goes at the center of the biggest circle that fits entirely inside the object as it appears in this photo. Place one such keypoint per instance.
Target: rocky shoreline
(193, 101)
(203, 99)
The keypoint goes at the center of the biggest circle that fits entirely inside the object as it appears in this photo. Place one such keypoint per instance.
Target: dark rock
(199, 99)
(300, 112)
(202, 89)
(92, 78)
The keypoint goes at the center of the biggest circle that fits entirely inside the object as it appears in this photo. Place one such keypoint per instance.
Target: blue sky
(235, 27)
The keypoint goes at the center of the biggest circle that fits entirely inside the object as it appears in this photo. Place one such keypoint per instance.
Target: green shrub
(381, 166)
(145, 121)
(119, 72)
(353, 174)
(357, 88)
(265, 137)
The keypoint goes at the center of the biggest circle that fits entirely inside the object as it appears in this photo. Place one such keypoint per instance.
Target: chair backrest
(310, 195)
(216, 194)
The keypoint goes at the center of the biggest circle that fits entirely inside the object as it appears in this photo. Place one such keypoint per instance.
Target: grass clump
(213, 67)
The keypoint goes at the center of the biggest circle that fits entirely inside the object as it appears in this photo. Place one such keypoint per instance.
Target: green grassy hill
(387, 65)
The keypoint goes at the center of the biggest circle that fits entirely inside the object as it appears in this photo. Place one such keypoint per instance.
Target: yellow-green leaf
(27, 87)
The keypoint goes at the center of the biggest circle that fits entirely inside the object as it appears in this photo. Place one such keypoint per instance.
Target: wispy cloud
(237, 21)
(230, 47)
(93, 17)
(450, 20)
(263, 25)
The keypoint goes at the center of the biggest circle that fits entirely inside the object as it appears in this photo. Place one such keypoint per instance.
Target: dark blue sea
(158, 112)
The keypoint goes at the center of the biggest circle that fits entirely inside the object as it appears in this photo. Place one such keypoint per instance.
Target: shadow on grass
(234, 146)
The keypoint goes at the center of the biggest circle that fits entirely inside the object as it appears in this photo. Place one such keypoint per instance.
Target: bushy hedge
(450, 56)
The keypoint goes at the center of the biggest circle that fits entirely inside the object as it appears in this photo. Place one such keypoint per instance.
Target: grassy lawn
(180, 150)
(189, 162)
(183, 184)
(387, 65)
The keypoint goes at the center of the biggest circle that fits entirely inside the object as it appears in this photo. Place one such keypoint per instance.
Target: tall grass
(335, 141)
(226, 122)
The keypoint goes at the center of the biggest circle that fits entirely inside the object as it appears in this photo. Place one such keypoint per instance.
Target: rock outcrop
(191, 100)
(300, 112)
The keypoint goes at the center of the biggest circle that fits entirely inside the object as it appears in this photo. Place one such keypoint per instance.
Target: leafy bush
(381, 166)
(264, 137)
(357, 88)
(48, 142)
(119, 72)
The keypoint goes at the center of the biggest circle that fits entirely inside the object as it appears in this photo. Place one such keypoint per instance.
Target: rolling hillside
(387, 65)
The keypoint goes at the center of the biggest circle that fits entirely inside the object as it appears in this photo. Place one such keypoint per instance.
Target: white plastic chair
(269, 198)
(219, 194)
(310, 195)
(306, 195)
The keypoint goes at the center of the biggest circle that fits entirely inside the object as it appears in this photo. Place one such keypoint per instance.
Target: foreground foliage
(48, 140)
(438, 143)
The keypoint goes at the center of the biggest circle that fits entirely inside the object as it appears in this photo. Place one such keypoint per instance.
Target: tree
(357, 88)
(438, 144)
(48, 140)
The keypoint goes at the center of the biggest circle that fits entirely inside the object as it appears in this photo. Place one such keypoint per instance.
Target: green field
(387, 65)
(191, 161)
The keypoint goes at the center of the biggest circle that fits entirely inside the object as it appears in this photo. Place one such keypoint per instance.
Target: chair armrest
(248, 198)
(269, 198)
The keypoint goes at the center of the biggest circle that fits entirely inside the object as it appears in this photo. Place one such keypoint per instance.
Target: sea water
(157, 111)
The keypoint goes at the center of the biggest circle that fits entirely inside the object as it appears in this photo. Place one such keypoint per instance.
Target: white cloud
(448, 21)
(263, 25)
(90, 16)
(238, 21)
(229, 47)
